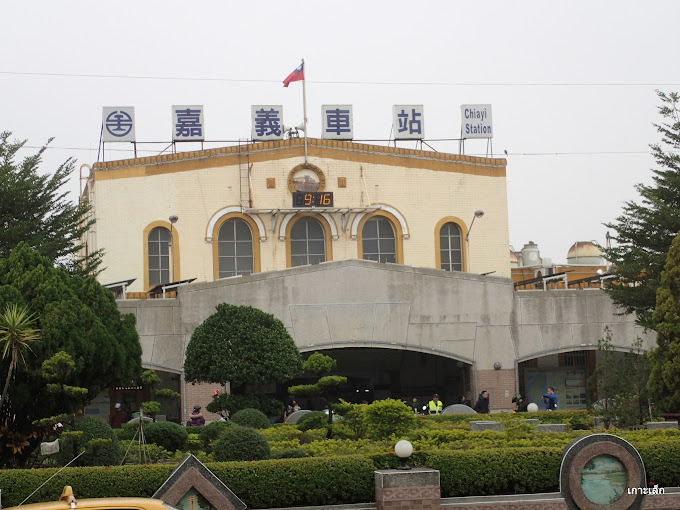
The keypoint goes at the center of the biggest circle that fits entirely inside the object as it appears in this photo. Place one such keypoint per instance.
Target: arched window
(307, 242)
(235, 248)
(378, 240)
(159, 256)
(450, 247)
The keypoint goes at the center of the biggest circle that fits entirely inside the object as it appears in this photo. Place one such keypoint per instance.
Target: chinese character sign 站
(118, 124)
(188, 124)
(336, 122)
(408, 122)
(267, 122)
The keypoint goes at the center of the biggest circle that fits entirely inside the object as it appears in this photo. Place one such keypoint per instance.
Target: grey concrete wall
(358, 303)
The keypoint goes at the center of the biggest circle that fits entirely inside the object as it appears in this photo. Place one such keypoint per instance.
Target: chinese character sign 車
(408, 122)
(188, 124)
(118, 124)
(336, 122)
(267, 122)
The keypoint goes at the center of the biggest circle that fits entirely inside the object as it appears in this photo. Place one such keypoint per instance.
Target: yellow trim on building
(326, 230)
(398, 234)
(437, 240)
(175, 251)
(254, 230)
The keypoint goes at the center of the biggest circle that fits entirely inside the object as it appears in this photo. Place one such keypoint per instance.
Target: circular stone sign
(597, 471)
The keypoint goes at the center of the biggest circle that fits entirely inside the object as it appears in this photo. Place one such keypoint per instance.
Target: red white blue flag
(297, 75)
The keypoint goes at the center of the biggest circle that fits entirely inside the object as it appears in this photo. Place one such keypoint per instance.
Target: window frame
(326, 231)
(463, 242)
(398, 234)
(176, 262)
(254, 231)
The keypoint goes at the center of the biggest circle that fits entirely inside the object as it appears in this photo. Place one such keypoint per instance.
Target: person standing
(196, 419)
(550, 399)
(521, 404)
(415, 405)
(118, 417)
(435, 406)
(482, 405)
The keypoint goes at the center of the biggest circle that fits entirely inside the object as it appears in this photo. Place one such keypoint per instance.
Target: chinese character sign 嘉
(187, 123)
(336, 121)
(408, 122)
(267, 122)
(118, 124)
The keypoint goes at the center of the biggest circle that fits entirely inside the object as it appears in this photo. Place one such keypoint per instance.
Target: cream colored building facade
(418, 192)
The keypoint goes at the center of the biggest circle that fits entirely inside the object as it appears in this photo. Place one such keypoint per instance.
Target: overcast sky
(572, 85)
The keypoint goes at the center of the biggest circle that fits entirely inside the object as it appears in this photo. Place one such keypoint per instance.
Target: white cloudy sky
(572, 84)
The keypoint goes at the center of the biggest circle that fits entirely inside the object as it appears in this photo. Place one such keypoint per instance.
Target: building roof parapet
(255, 147)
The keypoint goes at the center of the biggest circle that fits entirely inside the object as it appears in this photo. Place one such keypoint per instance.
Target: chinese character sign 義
(118, 124)
(336, 122)
(267, 122)
(187, 124)
(408, 122)
(476, 121)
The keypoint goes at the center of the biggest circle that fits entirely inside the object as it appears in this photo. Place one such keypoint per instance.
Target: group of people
(482, 406)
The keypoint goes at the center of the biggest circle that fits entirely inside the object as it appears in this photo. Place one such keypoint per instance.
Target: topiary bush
(388, 417)
(241, 443)
(167, 434)
(96, 437)
(252, 418)
(211, 432)
(314, 420)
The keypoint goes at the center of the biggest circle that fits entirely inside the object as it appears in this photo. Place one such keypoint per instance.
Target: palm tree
(16, 333)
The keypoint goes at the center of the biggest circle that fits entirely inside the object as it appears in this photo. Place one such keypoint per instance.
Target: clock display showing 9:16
(313, 199)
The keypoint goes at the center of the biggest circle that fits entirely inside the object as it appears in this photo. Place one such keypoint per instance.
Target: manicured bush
(241, 443)
(313, 420)
(236, 402)
(389, 417)
(252, 418)
(289, 453)
(102, 447)
(211, 432)
(167, 434)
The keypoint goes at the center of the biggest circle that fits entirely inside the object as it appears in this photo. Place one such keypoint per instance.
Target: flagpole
(304, 104)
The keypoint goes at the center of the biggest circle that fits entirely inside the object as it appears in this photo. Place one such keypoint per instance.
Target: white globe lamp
(532, 408)
(403, 449)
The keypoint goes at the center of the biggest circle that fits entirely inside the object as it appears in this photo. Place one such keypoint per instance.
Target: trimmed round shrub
(167, 434)
(253, 418)
(102, 447)
(315, 420)
(241, 443)
(289, 453)
(211, 432)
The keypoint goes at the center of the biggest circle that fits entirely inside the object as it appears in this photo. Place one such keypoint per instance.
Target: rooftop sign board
(476, 121)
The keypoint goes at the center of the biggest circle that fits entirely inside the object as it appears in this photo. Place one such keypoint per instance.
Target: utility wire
(344, 82)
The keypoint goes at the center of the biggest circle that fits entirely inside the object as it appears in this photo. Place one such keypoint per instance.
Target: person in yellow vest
(435, 406)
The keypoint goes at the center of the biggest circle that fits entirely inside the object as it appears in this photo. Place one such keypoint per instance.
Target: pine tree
(645, 231)
(34, 209)
(664, 380)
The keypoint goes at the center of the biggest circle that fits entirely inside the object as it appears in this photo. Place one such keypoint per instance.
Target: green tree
(34, 210)
(241, 344)
(645, 230)
(76, 315)
(664, 380)
(16, 335)
(620, 380)
(325, 387)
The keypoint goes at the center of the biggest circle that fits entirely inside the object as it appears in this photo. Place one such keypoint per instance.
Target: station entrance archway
(376, 374)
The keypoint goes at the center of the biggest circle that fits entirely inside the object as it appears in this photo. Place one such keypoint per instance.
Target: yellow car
(67, 501)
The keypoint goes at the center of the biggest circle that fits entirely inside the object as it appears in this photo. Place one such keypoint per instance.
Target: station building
(393, 261)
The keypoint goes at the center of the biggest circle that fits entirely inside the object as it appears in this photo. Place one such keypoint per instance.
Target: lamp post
(173, 219)
(478, 214)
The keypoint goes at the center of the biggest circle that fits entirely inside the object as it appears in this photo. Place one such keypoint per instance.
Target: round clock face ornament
(306, 178)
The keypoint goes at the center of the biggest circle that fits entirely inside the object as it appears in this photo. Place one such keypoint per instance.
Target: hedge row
(338, 480)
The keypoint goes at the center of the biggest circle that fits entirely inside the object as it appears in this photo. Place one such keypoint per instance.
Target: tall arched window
(307, 242)
(450, 247)
(235, 248)
(378, 240)
(159, 256)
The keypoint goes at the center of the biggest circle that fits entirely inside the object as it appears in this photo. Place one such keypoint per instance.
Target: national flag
(297, 75)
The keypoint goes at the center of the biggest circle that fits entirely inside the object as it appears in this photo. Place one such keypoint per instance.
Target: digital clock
(313, 199)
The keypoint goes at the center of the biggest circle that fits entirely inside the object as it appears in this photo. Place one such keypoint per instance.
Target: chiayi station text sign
(337, 122)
